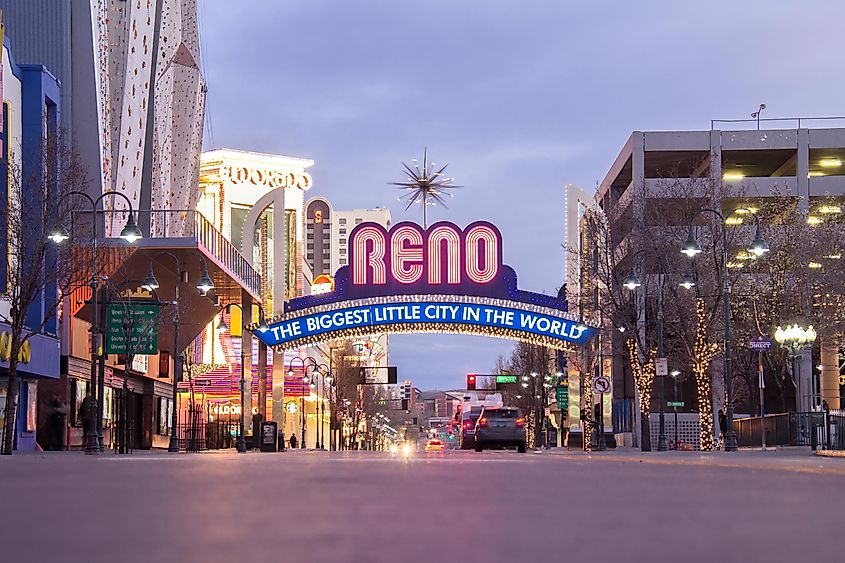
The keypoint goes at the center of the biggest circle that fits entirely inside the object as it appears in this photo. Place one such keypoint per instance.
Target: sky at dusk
(519, 97)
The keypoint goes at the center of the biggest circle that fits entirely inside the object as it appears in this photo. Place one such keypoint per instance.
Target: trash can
(268, 436)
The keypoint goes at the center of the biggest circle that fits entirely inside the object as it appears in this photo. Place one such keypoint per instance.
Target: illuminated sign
(229, 409)
(505, 379)
(267, 177)
(322, 284)
(441, 279)
(291, 407)
(376, 318)
(318, 216)
(24, 354)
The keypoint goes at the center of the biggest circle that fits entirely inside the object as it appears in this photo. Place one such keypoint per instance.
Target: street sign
(674, 403)
(601, 384)
(760, 344)
(562, 396)
(661, 367)
(202, 383)
(500, 379)
(137, 323)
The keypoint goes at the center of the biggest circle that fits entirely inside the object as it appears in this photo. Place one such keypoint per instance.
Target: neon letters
(442, 255)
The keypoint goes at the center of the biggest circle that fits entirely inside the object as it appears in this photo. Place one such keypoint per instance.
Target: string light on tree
(703, 353)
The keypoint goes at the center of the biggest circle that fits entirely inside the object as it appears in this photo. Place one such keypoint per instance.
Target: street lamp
(324, 373)
(204, 285)
(795, 339)
(241, 443)
(758, 247)
(675, 373)
(130, 233)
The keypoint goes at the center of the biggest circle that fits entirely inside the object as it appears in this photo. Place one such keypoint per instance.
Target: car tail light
(482, 421)
(520, 421)
(466, 424)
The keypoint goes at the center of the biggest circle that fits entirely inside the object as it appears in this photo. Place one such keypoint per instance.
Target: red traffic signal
(471, 382)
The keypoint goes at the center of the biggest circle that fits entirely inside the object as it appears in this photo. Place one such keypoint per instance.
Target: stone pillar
(829, 349)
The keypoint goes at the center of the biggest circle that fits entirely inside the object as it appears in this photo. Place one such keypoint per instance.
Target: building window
(343, 241)
(342, 221)
(165, 415)
(358, 220)
(78, 390)
(342, 231)
(343, 261)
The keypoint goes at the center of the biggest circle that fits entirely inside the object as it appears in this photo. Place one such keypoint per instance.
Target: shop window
(31, 406)
(78, 390)
(165, 415)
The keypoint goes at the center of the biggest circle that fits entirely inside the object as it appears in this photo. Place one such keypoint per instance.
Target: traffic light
(470, 382)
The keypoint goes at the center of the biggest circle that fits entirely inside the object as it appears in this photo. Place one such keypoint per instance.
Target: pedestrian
(84, 416)
(723, 426)
(55, 439)
(293, 441)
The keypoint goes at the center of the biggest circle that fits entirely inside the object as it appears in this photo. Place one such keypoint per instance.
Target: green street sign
(137, 324)
(505, 379)
(674, 403)
(562, 395)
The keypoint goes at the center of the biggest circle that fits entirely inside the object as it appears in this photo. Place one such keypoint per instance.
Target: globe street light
(204, 285)
(130, 233)
(758, 247)
(795, 339)
(241, 443)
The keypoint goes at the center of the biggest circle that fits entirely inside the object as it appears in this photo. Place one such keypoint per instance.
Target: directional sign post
(137, 323)
(761, 344)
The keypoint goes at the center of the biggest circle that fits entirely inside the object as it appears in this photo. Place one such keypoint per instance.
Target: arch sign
(444, 279)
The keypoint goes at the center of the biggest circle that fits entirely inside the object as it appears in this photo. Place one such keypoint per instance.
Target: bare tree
(38, 274)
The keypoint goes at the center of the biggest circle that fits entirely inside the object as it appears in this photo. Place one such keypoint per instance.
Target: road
(459, 506)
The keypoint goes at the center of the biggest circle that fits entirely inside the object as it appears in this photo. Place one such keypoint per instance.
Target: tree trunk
(12, 389)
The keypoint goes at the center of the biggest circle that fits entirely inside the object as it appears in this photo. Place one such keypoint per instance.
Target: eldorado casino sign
(443, 279)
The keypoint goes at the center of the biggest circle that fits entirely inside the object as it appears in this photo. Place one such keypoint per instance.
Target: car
(467, 436)
(435, 445)
(500, 427)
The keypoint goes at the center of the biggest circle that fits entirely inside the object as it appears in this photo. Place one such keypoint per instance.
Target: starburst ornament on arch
(425, 186)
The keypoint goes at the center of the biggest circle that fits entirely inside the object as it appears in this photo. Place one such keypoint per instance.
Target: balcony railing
(188, 224)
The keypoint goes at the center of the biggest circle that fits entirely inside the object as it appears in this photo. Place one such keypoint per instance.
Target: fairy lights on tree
(703, 353)
(644, 380)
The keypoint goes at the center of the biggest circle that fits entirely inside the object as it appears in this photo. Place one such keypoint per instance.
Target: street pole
(762, 386)
(173, 447)
(730, 436)
(241, 443)
(661, 437)
(92, 442)
(676, 410)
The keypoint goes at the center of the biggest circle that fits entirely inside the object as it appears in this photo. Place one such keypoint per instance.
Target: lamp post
(130, 233)
(795, 339)
(204, 285)
(315, 370)
(675, 375)
(758, 247)
(262, 327)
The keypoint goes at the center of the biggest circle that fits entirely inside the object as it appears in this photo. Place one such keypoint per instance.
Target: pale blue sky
(519, 97)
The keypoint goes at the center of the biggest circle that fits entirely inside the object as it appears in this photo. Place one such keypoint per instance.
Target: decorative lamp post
(758, 247)
(204, 285)
(262, 327)
(130, 233)
(795, 339)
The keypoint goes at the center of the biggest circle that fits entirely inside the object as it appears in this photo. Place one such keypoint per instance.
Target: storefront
(38, 362)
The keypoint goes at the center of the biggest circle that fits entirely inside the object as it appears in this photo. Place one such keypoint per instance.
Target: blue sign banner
(443, 313)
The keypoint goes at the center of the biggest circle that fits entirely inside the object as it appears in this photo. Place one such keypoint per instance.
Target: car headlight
(406, 450)
(394, 448)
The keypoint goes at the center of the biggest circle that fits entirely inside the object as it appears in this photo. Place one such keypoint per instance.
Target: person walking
(293, 441)
(723, 427)
(85, 418)
(56, 423)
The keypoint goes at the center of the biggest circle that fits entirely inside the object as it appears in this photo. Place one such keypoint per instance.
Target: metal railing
(800, 122)
(191, 224)
(814, 429)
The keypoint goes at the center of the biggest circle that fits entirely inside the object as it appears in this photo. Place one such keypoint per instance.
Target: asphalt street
(458, 506)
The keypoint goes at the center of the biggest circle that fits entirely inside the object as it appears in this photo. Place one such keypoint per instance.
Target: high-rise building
(132, 91)
(327, 233)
